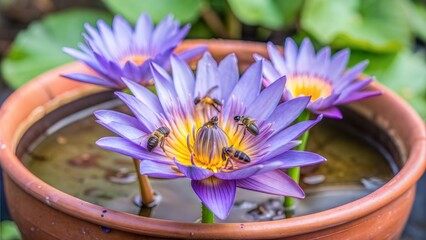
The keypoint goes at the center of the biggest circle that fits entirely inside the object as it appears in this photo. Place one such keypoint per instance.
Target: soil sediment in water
(69, 160)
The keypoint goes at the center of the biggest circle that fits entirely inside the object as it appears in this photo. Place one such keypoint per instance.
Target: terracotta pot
(43, 212)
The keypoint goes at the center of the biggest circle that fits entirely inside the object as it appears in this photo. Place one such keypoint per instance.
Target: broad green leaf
(417, 19)
(403, 72)
(183, 10)
(258, 12)
(9, 231)
(371, 25)
(39, 48)
(289, 10)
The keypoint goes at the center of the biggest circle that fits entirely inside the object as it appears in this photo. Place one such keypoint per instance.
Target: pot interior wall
(48, 149)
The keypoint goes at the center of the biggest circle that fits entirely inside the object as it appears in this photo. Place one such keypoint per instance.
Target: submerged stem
(206, 215)
(294, 173)
(145, 188)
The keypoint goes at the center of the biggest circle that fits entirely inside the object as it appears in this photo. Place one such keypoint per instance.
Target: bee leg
(229, 160)
(162, 145)
(215, 107)
(244, 134)
(236, 130)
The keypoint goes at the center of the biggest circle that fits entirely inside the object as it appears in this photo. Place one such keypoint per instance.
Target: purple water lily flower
(321, 76)
(189, 130)
(120, 51)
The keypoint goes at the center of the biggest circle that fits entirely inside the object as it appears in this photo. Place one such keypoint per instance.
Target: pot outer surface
(44, 213)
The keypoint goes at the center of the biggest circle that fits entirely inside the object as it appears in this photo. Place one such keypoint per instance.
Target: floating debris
(372, 183)
(61, 140)
(244, 204)
(122, 176)
(272, 209)
(314, 179)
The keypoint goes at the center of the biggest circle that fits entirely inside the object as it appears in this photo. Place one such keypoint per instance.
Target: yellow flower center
(136, 59)
(308, 86)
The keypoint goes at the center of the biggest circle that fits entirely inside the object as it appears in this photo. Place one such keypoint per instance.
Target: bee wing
(142, 141)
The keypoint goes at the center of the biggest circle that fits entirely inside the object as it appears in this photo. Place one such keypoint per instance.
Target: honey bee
(215, 103)
(248, 123)
(213, 122)
(229, 154)
(158, 137)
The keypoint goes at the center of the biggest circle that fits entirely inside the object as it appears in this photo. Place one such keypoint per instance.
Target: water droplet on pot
(314, 179)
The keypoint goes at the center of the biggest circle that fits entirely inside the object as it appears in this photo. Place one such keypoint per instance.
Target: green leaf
(403, 72)
(9, 231)
(39, 48)
(289, 10)
(265, 13)
(183, 10)
(417, 19)
(371, 25)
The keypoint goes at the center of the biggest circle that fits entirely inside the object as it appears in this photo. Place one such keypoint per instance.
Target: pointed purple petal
(239, 173)
(269, 72)
(165, 89)
(128, 148)
(143, 33)
(277, 151)
(350, 75)
(294, 158)
(122, 32)
(108, 116)
(306, 56)
(359, 96)
(248, 88)
(290, 54)
(218, 195)
(277, 59)
(207, 77)
(338, 64)
(183, 79)
(192, 53)
(228, 74)
(321, 62)
(135, 135)
(144, 95)
(274, 182)
(159, 170)
(290, 109)
(267, 101)
(194, 172)
(291, 133)
(332, 112)
(148, 119)
(91, 79)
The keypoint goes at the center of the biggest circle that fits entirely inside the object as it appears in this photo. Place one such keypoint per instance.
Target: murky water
(69, 160)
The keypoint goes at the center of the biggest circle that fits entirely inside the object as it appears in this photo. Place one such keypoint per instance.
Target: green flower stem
(207, 216)
(147, 194)
(294, 173)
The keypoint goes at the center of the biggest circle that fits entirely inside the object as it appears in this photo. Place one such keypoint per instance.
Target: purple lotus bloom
(195, 116)
(321, 76)
(120, 51)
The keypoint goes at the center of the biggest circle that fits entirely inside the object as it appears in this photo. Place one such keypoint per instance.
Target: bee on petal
(249, 125)
(207, 100)
(229, 154)
(158, 137)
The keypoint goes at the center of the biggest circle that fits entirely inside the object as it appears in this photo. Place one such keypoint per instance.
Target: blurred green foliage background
(390, 33)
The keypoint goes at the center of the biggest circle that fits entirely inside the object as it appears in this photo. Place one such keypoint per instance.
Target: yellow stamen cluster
(308, 86)
(136, 59)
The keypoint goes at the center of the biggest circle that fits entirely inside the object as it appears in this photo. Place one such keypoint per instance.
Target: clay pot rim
(402, 182)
